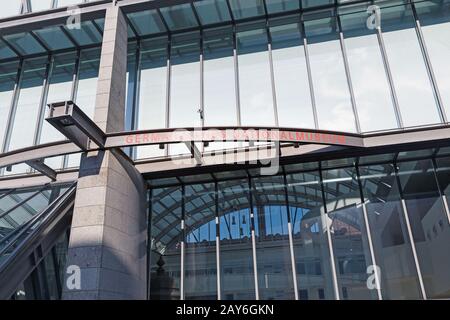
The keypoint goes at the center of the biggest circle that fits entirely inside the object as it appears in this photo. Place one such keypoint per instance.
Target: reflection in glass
(411, 81)
(237, 277)
(392, 248)
(165, 244)
(370, 85)
(334, 108)
(429, 225)
(291, 77)
(200, 281)
(254, 78)
(348, 233)
(311, 251)
(272, 239)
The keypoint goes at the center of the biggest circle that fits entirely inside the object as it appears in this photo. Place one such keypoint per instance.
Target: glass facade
(330, 229)
(318, 231)
(317, 70)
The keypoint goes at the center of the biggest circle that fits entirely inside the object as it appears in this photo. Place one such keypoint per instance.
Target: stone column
(108, 233)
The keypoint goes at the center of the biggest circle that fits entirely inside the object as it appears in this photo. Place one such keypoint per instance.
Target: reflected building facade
(177, 220)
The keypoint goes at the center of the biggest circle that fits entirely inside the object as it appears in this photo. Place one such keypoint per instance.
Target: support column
(108, 233)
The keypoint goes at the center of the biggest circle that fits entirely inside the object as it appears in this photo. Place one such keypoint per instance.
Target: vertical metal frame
(390, 78)
(309, 71)
(271, 68)
(133, 106)
(428, 65)
(409, 230)
(149, 241)
(253, 236)
(182, 242)
(291, 238)
(369, 232)
(168, 86)
(236, 77)
(217, 219)
(347, 73)
(43, 99)
(330, 242)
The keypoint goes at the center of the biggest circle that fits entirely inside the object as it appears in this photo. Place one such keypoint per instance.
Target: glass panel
(87, 89)
(28, 104)
(51, 278)
(274, 6)
(179, 16)
(24, 43)
(11, 8)
(248, 8)
(146, 22)
(392, 248)
(54, 38)
(311, 251)
(413, 87)
(8, 76)
(219, 79)
(66, 3)
(85, 35)
(435, 20)
(370, 84)
(39, 5)
(332, 96)
(60, 89)
(348, 233)
(429, 224)
(185, 85)
(315, 3)
(165, 250)
(200, 257)
(236, 260)
(5, 51)
(404, 155)
(212, 11)
(272, 239)
(151, 104)
(254, 78)
(291, 77)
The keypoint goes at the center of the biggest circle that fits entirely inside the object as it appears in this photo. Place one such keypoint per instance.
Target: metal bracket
(194, 151)
(40, 166)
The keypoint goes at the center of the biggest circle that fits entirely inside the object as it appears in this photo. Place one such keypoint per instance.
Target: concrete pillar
(108, 233)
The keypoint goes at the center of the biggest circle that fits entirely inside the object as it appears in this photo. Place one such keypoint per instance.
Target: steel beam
(40, 166)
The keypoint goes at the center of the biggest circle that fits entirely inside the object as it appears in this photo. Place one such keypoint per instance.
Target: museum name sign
(239, 134)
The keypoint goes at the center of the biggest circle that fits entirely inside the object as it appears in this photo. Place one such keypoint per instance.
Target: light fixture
(75, 125)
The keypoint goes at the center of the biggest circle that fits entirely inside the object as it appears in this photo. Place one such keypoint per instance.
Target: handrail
(4, 214)
(46, 214)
